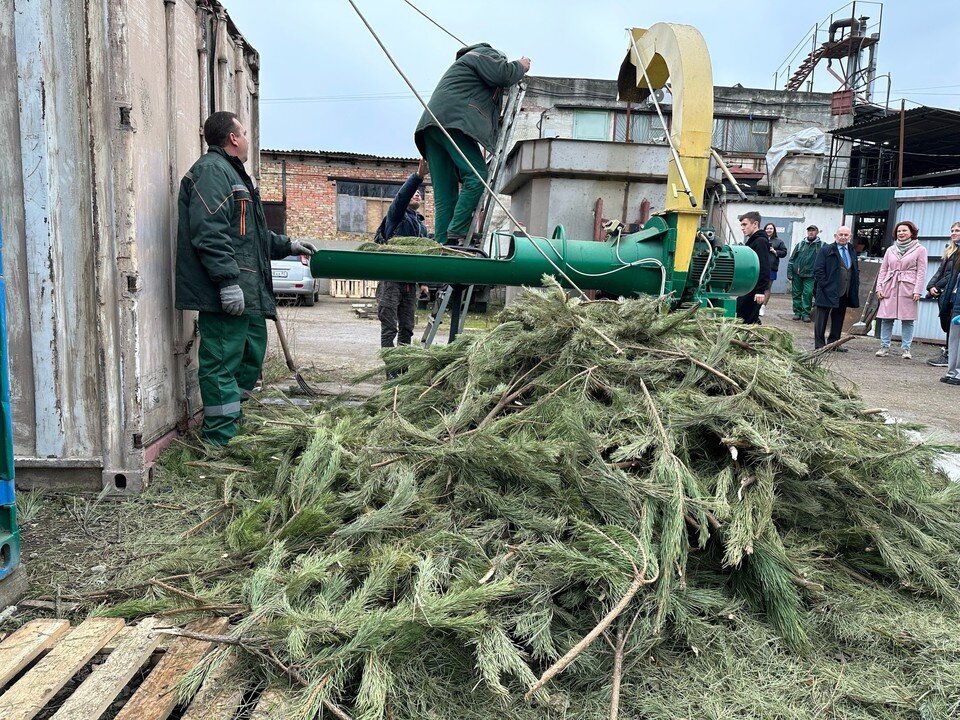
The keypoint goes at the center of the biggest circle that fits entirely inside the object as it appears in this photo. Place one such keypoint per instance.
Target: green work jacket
(803, 257)
(468, 96)
(222, 238)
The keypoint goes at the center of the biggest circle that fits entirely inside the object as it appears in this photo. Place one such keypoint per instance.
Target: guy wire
(435, 22)
(462, 155)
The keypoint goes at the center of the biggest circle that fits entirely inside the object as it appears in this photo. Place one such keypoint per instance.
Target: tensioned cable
(435, 22)
(656, 105)
(462, 155)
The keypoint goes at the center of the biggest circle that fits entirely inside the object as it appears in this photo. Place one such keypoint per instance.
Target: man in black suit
(837, 279)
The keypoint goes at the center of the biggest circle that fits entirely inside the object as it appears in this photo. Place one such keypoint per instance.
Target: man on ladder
(466, 102)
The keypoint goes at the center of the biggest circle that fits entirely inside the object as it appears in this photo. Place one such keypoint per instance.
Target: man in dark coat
(837, 278)
(397, 301)
(223, 270)
(748, 306)
(466, 102)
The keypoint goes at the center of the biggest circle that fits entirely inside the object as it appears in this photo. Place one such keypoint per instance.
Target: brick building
(336, 196)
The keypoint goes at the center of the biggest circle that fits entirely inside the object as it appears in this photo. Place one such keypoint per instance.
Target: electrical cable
(461, 153)
(435, 23)
(624, 266)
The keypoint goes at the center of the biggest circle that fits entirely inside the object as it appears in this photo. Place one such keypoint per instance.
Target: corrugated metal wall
(933, 211)
(97, 125)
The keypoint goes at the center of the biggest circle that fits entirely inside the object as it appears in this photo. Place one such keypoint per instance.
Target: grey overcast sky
(326, 85)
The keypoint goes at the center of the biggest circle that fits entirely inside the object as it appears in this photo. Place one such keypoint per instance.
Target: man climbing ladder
(466, 102)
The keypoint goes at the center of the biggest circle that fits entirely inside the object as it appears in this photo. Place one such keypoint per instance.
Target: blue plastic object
(9, 534)
(9, 553)
(6, 416)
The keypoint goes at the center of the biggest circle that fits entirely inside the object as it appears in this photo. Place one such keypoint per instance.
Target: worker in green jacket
(466, 102)
(800, 273)
(223, 270)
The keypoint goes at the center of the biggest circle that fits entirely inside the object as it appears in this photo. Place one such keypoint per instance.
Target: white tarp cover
(809, 141)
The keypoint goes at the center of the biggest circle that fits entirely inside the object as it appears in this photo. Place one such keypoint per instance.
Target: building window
(644, 128)
(741, 135)
(362, 205)
(276, 215)
(591, 125)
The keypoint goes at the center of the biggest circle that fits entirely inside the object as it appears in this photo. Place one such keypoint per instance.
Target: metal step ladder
(461, 295)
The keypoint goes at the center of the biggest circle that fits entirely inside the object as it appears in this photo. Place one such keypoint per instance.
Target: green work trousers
(802, 295)
(230, 357)
(453, 205)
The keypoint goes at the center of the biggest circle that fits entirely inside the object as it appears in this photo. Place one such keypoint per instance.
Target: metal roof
(340, 155)
(918, 122)
(931, 141)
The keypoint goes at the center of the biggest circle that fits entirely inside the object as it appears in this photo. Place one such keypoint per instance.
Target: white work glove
(302, 248)
(231, 299)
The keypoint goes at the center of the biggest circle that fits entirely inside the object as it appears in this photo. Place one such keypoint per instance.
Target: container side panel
(71, 223)
(155, 211)
(188, 77)
(57, 227)
(14, 239)
(33, 43)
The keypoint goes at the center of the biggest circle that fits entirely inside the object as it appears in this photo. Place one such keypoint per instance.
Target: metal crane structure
(670, 256)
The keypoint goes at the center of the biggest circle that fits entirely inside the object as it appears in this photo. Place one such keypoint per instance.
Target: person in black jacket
(778, 249)
(933, 288)
(748, 306)
(837, 277)
(397, 301)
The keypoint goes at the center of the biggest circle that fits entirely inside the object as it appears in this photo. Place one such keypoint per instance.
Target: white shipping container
(97, 125)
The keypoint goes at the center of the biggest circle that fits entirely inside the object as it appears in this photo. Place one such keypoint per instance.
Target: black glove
(302, 248)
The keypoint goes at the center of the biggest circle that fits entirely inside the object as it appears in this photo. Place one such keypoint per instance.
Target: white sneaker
(761, 311)
(883, 352)
(906, 355)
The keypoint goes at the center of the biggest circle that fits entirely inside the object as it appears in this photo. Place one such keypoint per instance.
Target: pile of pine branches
(412, 246)
(595, 510)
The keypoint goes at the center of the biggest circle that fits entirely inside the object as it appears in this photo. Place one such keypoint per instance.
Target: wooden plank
(217, 698)
(22, 646)
(156, 698)
(125, 632)
(104, 684)
(273, 705)
(35, 689)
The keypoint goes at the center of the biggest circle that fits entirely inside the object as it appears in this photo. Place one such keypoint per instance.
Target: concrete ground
(908, 389)
(330, 339)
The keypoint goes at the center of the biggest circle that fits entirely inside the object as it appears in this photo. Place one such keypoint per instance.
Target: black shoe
(950, 380)
(841, 349)
(806, 318)
(939, 361)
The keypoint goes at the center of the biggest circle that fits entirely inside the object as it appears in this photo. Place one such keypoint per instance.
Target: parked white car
(292, 279)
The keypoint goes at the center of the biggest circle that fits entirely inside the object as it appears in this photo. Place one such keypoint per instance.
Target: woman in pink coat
(901, 282)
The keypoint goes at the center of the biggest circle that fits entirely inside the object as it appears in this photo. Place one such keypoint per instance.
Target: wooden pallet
(40, 663)
(358, 289)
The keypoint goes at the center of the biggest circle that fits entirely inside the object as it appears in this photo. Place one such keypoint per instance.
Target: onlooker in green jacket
(223, 270)
(466, 102)
(800, 273)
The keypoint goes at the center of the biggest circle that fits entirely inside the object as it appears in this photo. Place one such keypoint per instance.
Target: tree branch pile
(594, 510)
